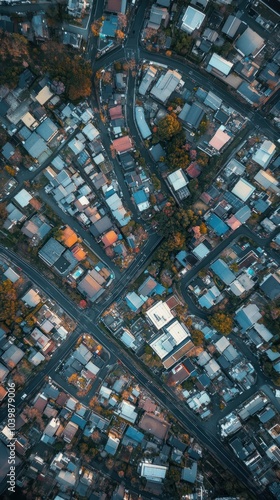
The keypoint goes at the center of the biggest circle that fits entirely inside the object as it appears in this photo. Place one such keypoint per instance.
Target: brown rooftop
(61, 399)
(172, 302)
(154, 425)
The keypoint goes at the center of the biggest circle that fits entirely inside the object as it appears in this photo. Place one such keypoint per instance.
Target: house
(249, 43)
(175, 334)
(148, 287)
(157, 15)
(51, 252)
(44, 95)
(3, 372)
(246, 317)
(127, 411)
(219, 66)
(210, 298)
(264, 153)
(231, 26)
(31, 298)
(201, 250)
(11, 275)
(220, 139)
(8, 150)
(164, 87)
(221, 269)
(192, 115)
(189, 474)
(243, 189)
(217, 224)
(152, 472)
(267, 181)
(23, 198)
(109, 238)
(250, 93)
(192, 20)
(89, 287)
(178, 182)
(271, 286)
(12, 356)
(155, 426)
(112, 445)
(212, 368)
(147, 80)
(133, 301)
(122, 144)
(116, 6)
(141, 200)
(141, 123)
(47, 130)
(213, 101)
(36, 228)
(70, 431)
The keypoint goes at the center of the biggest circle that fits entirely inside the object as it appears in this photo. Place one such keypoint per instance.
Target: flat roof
(160, 314)
(243, 189)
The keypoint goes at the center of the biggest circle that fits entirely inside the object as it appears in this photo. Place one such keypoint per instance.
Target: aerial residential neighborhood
(139, 250)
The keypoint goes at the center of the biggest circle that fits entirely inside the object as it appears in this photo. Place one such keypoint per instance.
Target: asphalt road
(87, 321)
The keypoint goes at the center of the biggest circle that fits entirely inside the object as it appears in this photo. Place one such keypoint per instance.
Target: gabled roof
(249, 43)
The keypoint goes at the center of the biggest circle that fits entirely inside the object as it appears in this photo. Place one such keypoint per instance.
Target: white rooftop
(177, 179)
(243, 189)
(219, 63)
(160, 314)
(222, 344)
(192, 20)
(264, 153)
(153, 472)
(201, 251)
(23, 198)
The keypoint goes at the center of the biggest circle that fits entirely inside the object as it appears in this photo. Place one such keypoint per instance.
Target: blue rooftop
(109, 27)
(181, 257)
(217, 225)
(79, 421)
(134, 434)
(140, 196)
(221, 269)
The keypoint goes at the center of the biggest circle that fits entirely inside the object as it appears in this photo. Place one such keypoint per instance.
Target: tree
(73, 379)
(203, 228)
(156, 182)
(197, 337)
(119, 35)
(222, 322)
(10, 170)
(96, 26)
(3, 213)
(168, 127)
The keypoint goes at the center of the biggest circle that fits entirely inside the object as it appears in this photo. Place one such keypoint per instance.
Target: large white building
(173, 335)
(159, 314)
